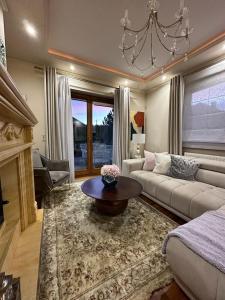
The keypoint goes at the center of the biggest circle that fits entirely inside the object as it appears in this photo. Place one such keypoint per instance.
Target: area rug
(88, 256)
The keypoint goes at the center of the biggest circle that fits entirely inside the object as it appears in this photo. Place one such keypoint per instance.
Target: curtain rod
(62, 72)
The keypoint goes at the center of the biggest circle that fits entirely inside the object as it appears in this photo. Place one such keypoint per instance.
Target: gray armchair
(48, 174)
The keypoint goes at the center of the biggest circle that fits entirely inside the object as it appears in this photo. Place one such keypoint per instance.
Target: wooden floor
(25, 263)
(173, 291)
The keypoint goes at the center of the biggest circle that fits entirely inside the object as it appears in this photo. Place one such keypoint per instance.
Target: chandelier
(173, 38)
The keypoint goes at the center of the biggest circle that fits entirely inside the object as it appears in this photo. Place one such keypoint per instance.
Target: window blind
(204, 108)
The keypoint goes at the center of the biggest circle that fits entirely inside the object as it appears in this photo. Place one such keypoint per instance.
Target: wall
(157, 118)
(31, 84)
(138, 100)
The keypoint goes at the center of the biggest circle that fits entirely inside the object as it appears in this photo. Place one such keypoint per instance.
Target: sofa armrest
(56, 165)
(130, 165)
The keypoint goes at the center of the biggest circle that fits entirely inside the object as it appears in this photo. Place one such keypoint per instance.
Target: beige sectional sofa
(189, 199)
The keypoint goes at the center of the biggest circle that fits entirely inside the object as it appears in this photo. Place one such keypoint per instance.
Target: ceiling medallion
(174, 38)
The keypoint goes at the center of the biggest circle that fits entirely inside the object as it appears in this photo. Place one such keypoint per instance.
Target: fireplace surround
(1, 206)
(16, 170)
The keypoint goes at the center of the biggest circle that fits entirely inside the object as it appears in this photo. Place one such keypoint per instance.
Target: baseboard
(184, 288)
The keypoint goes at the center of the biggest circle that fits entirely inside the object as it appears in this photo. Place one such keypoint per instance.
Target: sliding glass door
(93, 133)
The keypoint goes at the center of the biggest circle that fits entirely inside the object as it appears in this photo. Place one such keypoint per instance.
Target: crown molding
(79, 60)
(194, 52)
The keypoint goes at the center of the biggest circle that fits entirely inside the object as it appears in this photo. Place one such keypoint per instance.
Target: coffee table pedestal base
(111, 208)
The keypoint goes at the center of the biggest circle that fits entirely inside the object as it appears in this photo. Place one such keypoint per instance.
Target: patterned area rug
(88, 256)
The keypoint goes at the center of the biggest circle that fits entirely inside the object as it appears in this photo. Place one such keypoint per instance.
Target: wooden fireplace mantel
(16, 169)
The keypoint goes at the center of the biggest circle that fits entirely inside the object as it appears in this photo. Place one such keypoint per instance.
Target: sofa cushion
(195, 275)
(191, 198)
(57, 176)
(211, 177)
(183, 168)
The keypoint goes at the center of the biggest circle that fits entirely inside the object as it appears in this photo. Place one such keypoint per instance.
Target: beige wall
(2, 31)
(31, 84)
(157, 113)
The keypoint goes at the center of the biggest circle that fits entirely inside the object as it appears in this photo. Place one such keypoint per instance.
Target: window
(204, 109)
(93, 132)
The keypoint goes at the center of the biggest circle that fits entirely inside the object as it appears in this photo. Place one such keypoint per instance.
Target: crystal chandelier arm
(159, 38)
(168, 34)
(171, 25)
(142, 46)
(139, 40)
(137, 31)
(173, 38)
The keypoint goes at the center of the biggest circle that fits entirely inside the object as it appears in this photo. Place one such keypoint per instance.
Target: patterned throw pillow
(183, 168)
(149, 163)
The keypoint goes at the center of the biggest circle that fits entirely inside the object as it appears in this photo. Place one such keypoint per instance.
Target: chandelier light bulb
(187, 23)
(136, 40)
(181, 5)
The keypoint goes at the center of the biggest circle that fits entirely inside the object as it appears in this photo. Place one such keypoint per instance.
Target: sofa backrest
(211, 169)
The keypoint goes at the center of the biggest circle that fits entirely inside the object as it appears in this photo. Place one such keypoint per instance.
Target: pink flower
(110, 170)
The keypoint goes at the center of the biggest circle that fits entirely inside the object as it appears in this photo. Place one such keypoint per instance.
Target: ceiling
(90, 30)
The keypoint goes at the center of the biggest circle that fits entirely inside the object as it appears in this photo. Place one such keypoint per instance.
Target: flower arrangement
(110, 170)
(109, 175)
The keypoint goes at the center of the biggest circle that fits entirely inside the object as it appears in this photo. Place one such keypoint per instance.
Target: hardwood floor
(25, 262)
(163, 210)
(173, 291)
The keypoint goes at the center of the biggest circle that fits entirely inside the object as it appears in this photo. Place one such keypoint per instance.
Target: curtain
(59, 129)
(52, 138)
(121, 126)
(175, 115)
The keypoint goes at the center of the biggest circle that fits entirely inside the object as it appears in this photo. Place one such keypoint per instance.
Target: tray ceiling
(91, 29)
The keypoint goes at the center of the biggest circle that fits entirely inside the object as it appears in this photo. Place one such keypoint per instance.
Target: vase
(109, 181)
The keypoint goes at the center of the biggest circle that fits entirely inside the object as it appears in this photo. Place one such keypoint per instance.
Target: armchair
(48, 174)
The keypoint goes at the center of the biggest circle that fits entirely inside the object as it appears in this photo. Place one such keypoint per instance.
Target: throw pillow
(149, 163)
(163, 162)
(183, 168)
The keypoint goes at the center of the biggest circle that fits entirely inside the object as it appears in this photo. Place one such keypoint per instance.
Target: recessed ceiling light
(164, 77)
(126, 82)
(30, 29)
(72, 67)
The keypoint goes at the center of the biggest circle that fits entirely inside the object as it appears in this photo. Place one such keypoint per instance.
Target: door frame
(90, 99)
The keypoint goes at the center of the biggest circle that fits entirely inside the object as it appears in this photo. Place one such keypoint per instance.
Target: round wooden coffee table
(111, 201)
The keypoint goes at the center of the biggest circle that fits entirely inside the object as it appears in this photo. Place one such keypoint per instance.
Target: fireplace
(1, 206)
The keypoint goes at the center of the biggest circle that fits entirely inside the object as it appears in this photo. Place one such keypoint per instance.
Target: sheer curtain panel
(59, 125)
(121, 126)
